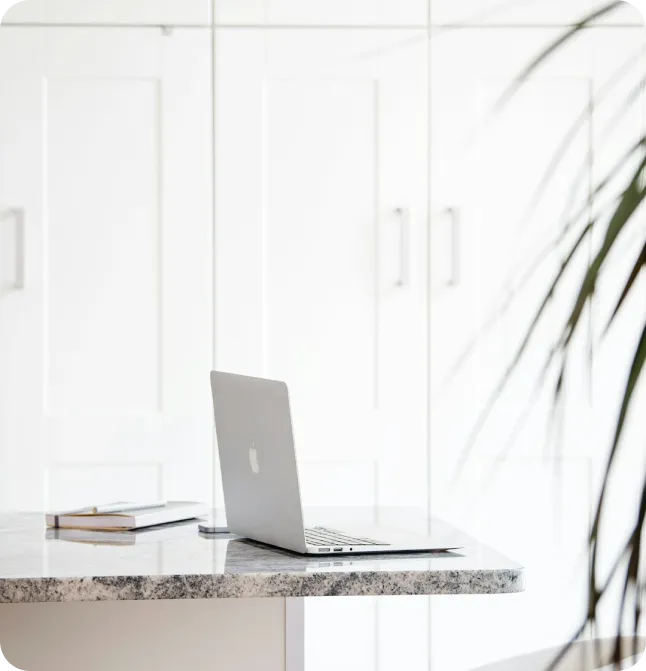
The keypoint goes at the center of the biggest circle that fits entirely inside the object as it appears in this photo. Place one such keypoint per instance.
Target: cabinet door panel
(321, 137)
(525, 473)
(120, 12)
(312, 166)
(529, 12)
(108, 346)
(90, 294)
(315, 13)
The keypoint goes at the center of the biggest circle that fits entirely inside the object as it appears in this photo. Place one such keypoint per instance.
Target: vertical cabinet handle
(403, 220)
(454, 222)
(17, 218)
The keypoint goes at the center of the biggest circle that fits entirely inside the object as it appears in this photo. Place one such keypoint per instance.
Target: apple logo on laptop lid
(253, 458)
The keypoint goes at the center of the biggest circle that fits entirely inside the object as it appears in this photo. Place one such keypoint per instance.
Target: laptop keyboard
(320, 536)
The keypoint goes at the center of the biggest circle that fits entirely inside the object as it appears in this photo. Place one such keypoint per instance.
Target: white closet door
(321, 281)
(315, 13)
(529, 12)
(523, 489)
(119, 12)
(105, 346)
(321, 261)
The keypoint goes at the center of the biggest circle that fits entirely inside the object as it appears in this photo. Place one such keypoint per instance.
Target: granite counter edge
(259, 585)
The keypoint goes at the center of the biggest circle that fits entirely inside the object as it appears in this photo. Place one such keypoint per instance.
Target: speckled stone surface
(184, 564)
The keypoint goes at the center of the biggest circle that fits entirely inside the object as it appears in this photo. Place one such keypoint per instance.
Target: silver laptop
(260, 477)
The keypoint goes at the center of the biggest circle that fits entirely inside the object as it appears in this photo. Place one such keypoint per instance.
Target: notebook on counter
(159, 533)
(126, 516)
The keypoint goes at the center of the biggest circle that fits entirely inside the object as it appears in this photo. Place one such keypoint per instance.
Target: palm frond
(611, 125)
(549, 295)
(633, 378)
(597, 595)
(632, 572)
(628, 204)
(544, 254)
(640, 263)
(623, 210)
(563, 39)
(575, 128)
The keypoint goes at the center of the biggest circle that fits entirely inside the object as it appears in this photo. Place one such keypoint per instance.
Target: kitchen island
(181, 599)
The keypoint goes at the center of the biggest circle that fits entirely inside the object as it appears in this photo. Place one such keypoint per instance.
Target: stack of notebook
(126, 516)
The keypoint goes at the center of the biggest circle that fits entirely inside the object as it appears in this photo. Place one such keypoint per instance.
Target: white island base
(166, 635)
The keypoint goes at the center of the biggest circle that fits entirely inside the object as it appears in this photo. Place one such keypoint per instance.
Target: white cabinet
(529, 12)
(110, 12)
(321, 277)
(530, 481)
(106, 346)
(321, 246)
(317, 13)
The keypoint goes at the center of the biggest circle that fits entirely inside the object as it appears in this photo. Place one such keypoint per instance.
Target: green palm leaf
(549, 295)
(554, 46)
(633, 377)
(637, 268)
(622, 214)
(545, 254)
(630, 200)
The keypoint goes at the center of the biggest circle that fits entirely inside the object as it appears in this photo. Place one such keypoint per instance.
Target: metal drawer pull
(17, 215)
(404, 246)
(20, 249)
(454, 218)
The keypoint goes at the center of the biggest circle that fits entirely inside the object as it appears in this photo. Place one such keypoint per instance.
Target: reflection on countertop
(179, 562)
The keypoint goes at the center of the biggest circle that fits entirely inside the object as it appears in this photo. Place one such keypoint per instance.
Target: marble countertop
(181, 563)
